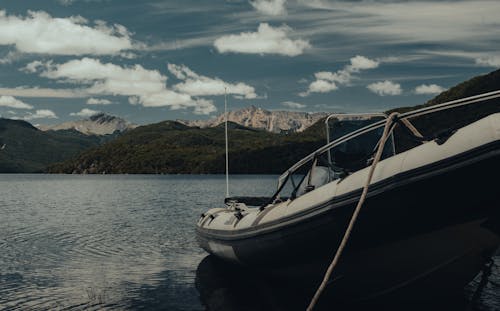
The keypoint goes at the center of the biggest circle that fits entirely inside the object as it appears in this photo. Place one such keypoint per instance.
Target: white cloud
(41, 114)
(359, 62)
(429, 89)
(181, 72)
(293, 105)
(267, 40)
(166, 98)
(341, 76)
(320, 86)
(489, 61)
(32, 67)
(270, 7)
(98, 101)
(143, 86)
(204, 107)
(84, 113)
(385, 88)
(133, 100)
(198, 85)
(10, 101)
(38, 32)
(326, 80)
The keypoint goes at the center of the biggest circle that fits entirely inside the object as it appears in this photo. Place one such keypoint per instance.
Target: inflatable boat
(432, 207)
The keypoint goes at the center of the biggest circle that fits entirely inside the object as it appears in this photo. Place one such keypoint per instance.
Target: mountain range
(258, 118)
(253, 117)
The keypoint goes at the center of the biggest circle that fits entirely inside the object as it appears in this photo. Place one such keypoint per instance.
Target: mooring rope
(410, 126)
(385, 135)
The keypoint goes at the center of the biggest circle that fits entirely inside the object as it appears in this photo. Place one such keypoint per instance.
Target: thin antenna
(227, 154)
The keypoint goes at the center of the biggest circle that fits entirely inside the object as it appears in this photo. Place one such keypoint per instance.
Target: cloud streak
(85, 113)
(489, 61)
(11, 102)
(41, 114)
(43, 92)
(429, 21)
(98, 101)
(293, 105)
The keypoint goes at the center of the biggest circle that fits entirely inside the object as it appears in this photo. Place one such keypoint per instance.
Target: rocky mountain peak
(97, 124)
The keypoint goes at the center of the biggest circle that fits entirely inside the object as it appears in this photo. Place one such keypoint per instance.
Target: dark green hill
(170, 147)
(25, 149)
(449, 120)
(475, 86)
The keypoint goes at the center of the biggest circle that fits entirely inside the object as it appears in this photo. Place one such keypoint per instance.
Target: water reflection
(224, 286)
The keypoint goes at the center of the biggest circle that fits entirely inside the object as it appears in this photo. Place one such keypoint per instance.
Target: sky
(149, 61)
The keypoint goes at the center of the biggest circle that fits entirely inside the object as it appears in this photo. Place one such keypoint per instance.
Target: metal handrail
(378, 124)
(347, 115)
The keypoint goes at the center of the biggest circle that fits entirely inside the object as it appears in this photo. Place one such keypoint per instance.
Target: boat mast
(227, 154)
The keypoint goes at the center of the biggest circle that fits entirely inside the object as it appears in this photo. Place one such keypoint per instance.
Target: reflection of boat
(226, 286)
(431, 211)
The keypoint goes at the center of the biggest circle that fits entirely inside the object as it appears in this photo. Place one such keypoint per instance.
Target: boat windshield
(354, 154)
(342, 159)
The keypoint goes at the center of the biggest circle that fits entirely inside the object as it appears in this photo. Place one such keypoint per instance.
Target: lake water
(117, 242)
